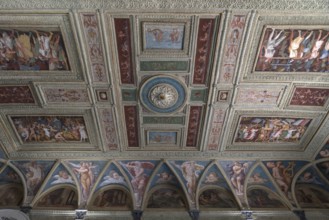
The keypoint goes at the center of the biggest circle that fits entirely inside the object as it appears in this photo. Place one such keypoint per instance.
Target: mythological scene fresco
(11, 188)
(60, 176)
(294, 50)
(112, 176)
(86, 172)
(310, 97)
(32, 50)
(59, 129)
(15, 94)
(164, 36)
(155, 137)
(271, 129)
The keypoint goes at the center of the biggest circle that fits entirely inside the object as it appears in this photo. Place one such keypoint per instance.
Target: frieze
(158, 154)
(304, 5)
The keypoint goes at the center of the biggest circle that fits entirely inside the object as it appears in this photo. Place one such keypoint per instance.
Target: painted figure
(139, 178)
(272, 44)
(62, 177)
(282, 175)
(84, 170)
(191, 171)
(237, 176)
(113, 178)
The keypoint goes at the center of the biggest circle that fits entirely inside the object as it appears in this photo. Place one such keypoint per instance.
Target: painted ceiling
(130, 105)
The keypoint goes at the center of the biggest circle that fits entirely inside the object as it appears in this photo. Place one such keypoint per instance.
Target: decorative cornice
(287, 5)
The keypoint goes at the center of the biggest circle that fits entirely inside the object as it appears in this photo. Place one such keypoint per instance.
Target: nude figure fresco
(293, 50)
(32, 50)
(271, 129)
(57, 129)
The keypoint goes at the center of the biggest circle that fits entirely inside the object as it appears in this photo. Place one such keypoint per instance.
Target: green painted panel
(163, 120)
(198, 95)
(128, 94)
(164, 65)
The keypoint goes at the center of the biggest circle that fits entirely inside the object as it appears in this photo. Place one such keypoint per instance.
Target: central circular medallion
(163, 94)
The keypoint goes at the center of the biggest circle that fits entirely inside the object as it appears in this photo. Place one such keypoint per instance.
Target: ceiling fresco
(202, 108)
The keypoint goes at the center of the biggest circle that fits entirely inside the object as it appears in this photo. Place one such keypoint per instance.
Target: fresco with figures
(293, 50)
(271, 129)
(164, 35)
(32, 50)
(58, 129)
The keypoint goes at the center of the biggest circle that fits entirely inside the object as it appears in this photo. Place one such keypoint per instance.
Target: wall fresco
(62, 198)
(214, 177)
(216, 199)
(93, 40)
(293, 50)
(311, 196)
(86, 172)
(203, 50)
(190, 172)
(139, 173)
(112, 176)
(194, 126)
(237, 171)
(16, 94)
(164, 176)
(271, 129)
(283, 173)
(112, 199)
(309, 97)
(122, 30)
(231, 51)
(166, 198)
(59, 176)
(260, 198)
(11, 195)
(34, 173)
(33, 50)
(56, 129)
(58, 95)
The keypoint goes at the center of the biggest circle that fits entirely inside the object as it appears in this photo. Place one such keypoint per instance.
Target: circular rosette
(163, 94)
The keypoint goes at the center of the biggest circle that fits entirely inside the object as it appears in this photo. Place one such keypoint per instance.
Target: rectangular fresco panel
(50, 129)
(293, 50)
(168, 36)
(310, 97)
(162, 137)
(271, 129)
(32, 50)
(15, 94)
